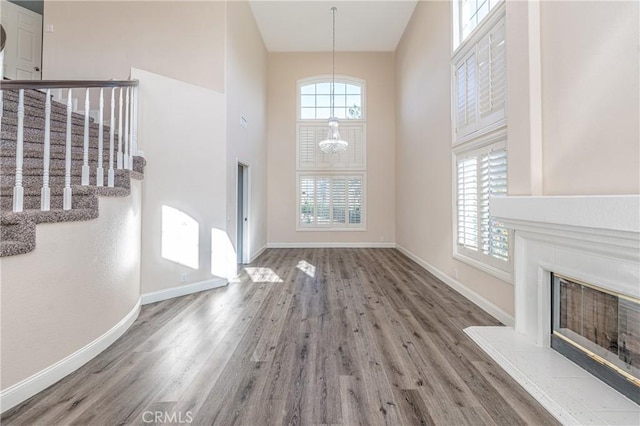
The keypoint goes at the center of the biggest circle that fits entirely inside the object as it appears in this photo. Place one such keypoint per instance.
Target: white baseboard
(257, 253)
(30, 386)
(474, 297)
(332, 245)
(183, 290)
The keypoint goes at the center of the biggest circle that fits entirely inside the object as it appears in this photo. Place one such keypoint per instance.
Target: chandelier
(333, 143)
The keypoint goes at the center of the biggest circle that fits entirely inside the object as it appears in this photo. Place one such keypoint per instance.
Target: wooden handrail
(64, 84)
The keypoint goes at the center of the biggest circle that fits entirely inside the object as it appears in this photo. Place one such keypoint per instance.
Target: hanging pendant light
(333, 143)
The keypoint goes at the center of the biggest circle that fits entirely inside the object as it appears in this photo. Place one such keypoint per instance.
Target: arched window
(331, 188)
(314, 98)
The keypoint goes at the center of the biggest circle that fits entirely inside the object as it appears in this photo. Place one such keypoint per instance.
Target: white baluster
(110, 176)
(100, 169)
(45, 193)
(133, 103)
(119, 162)
(66, 194)
(85, 155)
(126, 132)
(135, 121)
(18, 190)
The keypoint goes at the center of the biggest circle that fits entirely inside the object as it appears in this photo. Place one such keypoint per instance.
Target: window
(480, 88)
(482, 175)
(469, 14)
(331, 187)
(331, 201)
(479, 96)
(311, 157)
(315, 100)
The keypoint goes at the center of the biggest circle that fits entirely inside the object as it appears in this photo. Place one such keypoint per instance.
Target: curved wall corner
(70, 298)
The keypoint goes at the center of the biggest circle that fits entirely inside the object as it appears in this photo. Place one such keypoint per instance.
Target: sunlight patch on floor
(307, 268)
(263, 275)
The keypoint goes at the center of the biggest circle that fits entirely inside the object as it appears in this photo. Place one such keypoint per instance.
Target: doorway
(242, 212)
(22, 55)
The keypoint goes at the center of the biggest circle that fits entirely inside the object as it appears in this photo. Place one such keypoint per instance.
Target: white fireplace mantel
(606, 224)
(614, 213)
(595, 239)
(592, 238)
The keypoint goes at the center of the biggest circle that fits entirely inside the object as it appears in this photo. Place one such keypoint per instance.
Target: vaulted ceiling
(305, 26)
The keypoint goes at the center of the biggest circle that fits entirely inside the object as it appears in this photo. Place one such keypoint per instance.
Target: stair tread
(76, 190)
(15, 247)
(56, 215)
(56, 126)
(18, 229)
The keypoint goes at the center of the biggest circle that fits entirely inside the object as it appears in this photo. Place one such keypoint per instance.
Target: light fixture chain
(333, 61)
(334, 143)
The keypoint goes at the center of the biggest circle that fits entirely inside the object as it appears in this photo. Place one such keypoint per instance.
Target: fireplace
(599, 330)
(590, 247)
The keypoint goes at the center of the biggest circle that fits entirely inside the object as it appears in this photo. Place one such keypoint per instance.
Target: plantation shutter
(331, 201)
(466, 89)
(492, 76)
(307, 145)
(310, 156)
(479, 100)
(481, 83)
(353, 157)
(493, 177)
(339, 189)
(307, 200)
(468, 202)
(323, 201)
(355, 200)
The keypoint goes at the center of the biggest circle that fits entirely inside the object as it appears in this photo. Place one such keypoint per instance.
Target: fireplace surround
(592, 239)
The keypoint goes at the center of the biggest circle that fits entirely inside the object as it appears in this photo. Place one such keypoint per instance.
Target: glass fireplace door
(591, 323)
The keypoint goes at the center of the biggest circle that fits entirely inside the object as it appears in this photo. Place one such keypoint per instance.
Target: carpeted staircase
(18, 230)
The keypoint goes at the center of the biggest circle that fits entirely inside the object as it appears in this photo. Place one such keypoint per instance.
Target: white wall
(80, 281)
(246, 97)
(573, 119)
(103, 39)
(591, 97)
(182, 131)
(423, 165)
(285, 69)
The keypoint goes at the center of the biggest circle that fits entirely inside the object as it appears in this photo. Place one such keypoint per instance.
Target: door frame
(246, 214)
(15, 8)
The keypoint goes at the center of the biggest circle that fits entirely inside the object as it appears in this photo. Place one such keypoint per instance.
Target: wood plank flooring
(308, 337)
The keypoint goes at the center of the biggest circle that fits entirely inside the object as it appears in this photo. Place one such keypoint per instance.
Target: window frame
(337, 169)
(327, 78)
(322, 125)
(457, 39)
(482, 134)
(501, 269)
(463, 52)
(361, 227)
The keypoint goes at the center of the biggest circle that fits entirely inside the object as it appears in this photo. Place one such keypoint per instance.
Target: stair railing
(125, 151)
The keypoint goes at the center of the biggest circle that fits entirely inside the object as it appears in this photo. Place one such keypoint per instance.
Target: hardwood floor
(308, 336)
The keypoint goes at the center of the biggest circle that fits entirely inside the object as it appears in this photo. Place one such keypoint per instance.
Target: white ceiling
(305, 26)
